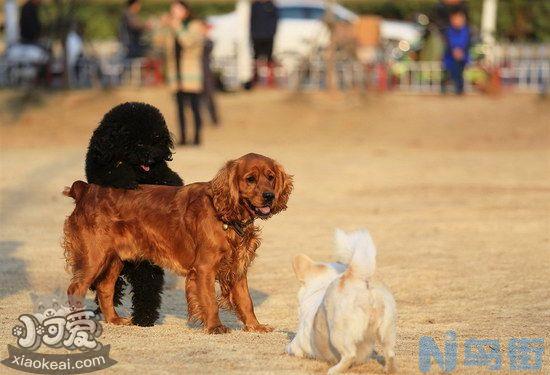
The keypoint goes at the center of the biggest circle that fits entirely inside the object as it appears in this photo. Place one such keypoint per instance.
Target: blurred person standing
(185, 64)
(34, 48)
(132, 30)
(457, 44)
(30, 27)
(264, 17)
(209, 80)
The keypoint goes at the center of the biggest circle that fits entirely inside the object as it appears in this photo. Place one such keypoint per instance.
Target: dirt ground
(455, 191)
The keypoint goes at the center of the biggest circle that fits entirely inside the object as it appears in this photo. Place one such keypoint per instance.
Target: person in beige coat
(184, 64)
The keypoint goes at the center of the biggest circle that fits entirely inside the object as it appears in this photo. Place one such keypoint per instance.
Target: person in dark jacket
(29, 22)
(132, 29)
(209, 82)
(457, 38)
(264, 17)
(209, 79)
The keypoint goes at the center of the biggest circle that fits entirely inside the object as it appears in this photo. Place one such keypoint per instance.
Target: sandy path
(455, 192)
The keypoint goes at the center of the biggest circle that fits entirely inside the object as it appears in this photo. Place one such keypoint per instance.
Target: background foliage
(522, 20)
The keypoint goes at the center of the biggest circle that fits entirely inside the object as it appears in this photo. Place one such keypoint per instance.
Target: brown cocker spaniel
(204, 231)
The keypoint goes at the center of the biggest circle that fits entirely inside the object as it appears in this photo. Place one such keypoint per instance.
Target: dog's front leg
(293, 347)
(244, 307)
(205, 278)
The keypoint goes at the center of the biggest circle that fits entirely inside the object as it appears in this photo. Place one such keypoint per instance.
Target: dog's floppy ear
(225, 192)
(302, 265)
(283, 188)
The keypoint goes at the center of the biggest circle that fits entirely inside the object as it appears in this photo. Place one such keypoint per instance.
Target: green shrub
(527, 20)
(101, 19)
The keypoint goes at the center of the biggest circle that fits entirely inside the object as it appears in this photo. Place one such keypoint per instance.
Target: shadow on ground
(175, 304)
(13, 275)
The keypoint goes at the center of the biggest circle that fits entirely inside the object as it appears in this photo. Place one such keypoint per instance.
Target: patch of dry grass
(455, 192)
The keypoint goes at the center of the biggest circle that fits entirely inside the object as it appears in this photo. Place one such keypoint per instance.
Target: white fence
(524, 75)
(85, 73)
(423, 76)
(527, 75)
(522, 68)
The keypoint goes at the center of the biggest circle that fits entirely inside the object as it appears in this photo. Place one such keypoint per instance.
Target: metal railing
(521, 68)
(527, 75)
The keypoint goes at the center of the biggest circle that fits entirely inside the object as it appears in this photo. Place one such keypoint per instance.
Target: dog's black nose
(268, 196)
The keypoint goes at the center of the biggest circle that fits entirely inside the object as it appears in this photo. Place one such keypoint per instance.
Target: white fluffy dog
(343, 310)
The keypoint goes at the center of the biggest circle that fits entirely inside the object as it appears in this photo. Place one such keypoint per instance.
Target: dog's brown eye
(270, 178)
(251, 179)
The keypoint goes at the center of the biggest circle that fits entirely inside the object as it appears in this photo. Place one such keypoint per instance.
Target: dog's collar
(237, 226)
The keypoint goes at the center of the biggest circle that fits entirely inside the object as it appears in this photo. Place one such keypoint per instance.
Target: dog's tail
(76, 191)
(357, 250)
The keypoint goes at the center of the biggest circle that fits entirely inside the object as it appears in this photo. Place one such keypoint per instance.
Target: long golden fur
(203, 231)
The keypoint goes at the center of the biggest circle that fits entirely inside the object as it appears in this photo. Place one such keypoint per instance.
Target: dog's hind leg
(117, 295)
(83, 277)
(365, 351)
(387, 339)
(147, 281)
(194, 310)
(345, 345)
(347, 359)
(105, 288)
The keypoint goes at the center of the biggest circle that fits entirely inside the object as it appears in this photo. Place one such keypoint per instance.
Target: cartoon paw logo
(18, 331)
(40, 330)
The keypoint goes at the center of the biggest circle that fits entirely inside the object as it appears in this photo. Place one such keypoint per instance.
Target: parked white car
(300, 32)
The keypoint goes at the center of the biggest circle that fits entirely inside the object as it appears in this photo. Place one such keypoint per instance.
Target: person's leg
(270, 63)
(195, 106)
(456, 76)
(180, 99)
(460, 78)
(257, 46)
(444, 80)
(208, 95)
(211, 106)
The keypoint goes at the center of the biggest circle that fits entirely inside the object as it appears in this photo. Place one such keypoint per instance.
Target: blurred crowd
(174, 48)
(285, 43)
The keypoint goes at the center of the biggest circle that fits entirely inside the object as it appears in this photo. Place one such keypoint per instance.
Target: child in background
(457, 39)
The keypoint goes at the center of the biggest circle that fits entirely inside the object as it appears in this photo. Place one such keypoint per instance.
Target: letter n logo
(428, 349)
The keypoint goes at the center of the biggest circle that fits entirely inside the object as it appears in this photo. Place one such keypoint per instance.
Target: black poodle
(131, 146)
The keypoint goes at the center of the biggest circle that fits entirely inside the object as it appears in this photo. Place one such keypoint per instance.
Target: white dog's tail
(357, 250)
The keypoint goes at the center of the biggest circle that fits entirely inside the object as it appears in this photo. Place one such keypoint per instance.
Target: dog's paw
(217, 330)
(259, 328)
(143, 321)
(288, 349)
(391, 367)
(294, 350)
(119, 321)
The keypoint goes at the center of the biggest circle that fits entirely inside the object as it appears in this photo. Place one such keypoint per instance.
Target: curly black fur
(131, 146)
